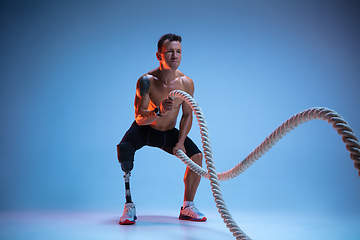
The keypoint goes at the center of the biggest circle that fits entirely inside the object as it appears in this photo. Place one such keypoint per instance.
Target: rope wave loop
(340, 125)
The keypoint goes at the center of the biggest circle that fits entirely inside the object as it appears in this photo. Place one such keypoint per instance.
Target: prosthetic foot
(129, 215)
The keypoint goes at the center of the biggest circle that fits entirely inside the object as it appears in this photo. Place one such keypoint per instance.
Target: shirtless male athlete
(154, 125)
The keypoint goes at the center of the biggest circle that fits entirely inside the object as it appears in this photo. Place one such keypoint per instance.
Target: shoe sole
(128, 222)
(187, 218)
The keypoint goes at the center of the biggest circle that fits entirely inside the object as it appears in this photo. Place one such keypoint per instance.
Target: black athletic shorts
(140, 136)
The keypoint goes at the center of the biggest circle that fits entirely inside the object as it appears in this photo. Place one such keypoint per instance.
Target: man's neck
(167, 75)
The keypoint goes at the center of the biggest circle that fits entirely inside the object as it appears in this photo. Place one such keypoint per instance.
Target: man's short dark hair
(170, 36)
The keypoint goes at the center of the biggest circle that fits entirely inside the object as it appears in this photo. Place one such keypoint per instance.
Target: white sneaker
(191, 213)
(129, 215)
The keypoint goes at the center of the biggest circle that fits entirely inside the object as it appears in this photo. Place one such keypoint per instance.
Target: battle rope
(342, 127)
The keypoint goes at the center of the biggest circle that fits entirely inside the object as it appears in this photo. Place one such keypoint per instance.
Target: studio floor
(165, 225)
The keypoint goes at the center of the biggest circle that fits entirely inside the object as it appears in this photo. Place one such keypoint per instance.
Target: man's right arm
(142, 99)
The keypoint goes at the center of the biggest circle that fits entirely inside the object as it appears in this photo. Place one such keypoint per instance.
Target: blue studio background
(68, 75)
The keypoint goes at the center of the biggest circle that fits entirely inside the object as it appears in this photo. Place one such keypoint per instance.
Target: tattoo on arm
(144, 86)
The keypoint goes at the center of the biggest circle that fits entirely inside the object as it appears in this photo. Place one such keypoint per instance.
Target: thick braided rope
(212, 175)
(342, 127)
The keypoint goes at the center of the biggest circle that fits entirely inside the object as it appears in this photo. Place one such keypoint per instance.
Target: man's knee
(126, 153)
(197, 158)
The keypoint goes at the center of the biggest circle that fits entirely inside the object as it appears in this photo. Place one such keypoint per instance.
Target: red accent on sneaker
(127, 222)
(200, 220)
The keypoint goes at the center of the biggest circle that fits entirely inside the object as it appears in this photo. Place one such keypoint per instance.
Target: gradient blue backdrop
(68, 74)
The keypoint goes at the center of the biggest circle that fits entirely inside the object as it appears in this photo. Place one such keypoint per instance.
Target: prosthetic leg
(126, 158)
(129, 214)
(127, 187)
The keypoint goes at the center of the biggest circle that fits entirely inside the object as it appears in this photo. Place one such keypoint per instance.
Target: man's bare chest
(159, 92)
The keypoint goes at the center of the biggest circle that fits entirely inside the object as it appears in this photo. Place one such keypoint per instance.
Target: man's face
(170, 56)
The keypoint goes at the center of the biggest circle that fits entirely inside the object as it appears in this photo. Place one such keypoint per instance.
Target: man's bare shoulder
(187, 83)
(144, 83)
(184, 78)
(146, 79)
(153, 74)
